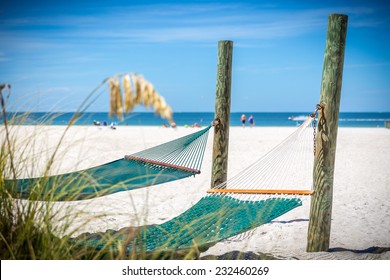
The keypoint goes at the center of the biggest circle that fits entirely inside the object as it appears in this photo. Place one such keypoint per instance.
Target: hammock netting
(167, 162)
(221, 216)
(212, 219)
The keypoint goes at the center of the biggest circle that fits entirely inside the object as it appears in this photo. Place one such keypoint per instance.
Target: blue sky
(54, 53)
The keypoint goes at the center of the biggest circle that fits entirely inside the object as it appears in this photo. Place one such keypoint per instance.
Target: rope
(186, 152)
(171, 161)
(287, 166)
(220, 216)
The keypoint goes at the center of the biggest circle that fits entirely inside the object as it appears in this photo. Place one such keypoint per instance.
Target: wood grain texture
(222, 113)
(323, 172)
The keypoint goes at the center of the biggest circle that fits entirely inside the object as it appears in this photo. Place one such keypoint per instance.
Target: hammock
(233, 208)
(167, 162)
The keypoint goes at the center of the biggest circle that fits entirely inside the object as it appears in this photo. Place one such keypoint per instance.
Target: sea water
(190, 118)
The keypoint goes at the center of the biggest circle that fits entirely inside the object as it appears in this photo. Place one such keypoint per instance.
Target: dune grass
(38, 227)
(26, 227)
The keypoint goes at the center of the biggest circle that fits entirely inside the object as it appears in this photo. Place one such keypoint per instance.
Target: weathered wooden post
(222, 113)
(324, 160)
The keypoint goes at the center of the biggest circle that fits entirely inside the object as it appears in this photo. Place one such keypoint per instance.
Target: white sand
(361, 202)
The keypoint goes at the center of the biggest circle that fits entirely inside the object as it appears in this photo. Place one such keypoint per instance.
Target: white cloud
(181, 23)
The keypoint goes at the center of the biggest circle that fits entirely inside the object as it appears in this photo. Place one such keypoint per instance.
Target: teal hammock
(167, 162)
(212, 219)
(220, 215)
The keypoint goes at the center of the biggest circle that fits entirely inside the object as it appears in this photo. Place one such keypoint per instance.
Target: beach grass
(26, 227)
(37, 226)
(40, 227)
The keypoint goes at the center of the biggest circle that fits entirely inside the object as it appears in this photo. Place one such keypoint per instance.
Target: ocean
(184, 119)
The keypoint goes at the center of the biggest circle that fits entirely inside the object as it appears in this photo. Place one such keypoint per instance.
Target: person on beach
(251, 121)
(243, 120)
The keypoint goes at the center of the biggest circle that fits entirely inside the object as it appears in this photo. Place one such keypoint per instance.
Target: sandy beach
(361, 201)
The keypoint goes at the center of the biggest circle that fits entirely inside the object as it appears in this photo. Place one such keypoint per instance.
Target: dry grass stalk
(119, 101)
(115, 98)
(112, 98)
(137, 91)
(129, 101)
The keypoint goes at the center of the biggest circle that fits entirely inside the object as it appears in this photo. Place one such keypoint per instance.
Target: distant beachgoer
(251, 120)
(243, 119)
(95, 122)
(195, 125)
(173, 125)
(112, 126)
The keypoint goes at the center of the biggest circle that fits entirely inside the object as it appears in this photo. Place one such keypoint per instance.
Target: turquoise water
(202, 118)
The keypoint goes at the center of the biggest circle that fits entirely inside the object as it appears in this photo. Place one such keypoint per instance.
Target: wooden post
(222, 113)
(321, 203)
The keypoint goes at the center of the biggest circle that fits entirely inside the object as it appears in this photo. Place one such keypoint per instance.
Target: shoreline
(178, 126)
(280, 119)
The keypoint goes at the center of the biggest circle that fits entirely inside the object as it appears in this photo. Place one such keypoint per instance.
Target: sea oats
(137, 91)
(111, 84)
(119, 100)
(129, 101)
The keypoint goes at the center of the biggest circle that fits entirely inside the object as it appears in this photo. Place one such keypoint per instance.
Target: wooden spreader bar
(163, 164)
(258, 191)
